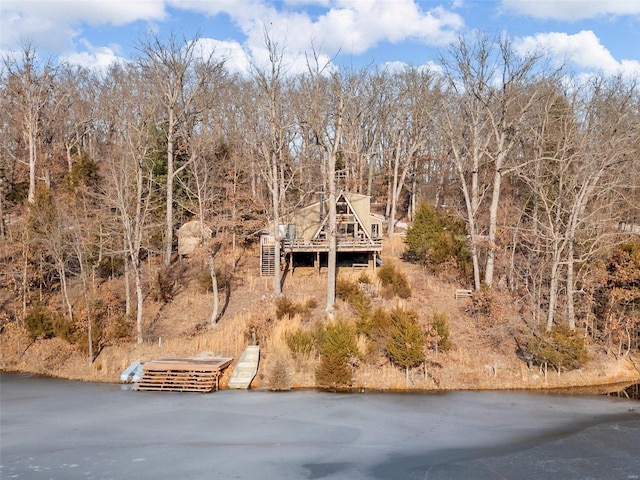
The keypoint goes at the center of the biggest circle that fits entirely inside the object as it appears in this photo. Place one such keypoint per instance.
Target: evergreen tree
(337, 346)
(436, 239)
(406, 340)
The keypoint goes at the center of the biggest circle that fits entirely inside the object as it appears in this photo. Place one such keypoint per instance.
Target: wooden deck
(191, 374)
(342, 245)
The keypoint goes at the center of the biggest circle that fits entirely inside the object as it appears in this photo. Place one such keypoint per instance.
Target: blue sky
(597, 36)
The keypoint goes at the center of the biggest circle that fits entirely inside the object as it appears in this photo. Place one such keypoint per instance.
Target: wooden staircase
(267, 256)
(191, 374)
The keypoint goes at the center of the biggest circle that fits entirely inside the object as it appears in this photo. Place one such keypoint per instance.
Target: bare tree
(128, 170)
(493, 88)
(180, 74)
(80, 222)
(463, 125)
(76, 116)
(215, 311)
(324, 96)
(29, 86)
(411, 113)
(585, 142)
(331, 173)
(272, 138)
(49, 231)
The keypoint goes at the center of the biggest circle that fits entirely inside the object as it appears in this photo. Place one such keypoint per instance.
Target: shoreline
(584, 389)
(55, 358)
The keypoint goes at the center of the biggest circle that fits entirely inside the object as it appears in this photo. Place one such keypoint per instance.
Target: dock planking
(191, 374)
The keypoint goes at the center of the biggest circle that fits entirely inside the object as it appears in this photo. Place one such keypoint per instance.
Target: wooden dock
(191, 374)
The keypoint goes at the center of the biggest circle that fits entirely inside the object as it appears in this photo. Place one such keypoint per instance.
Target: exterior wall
(361, 207)
(307, 220)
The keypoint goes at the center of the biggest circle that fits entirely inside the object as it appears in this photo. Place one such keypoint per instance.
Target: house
(304, 239)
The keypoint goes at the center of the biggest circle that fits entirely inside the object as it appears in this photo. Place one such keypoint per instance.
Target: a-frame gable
(353, 212)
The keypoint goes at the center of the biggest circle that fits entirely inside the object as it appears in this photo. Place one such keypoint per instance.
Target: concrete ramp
(246, 368)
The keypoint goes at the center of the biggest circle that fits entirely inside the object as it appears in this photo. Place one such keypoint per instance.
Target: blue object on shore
(132, 374)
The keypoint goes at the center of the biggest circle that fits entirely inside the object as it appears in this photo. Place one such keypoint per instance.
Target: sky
(591, 36)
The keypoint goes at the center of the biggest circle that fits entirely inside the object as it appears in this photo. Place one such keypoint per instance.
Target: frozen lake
(54, 429)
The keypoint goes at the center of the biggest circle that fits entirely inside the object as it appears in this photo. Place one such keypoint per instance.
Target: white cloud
(97, 58)
(298, 26)
(358, 25)
(116, 12)
(395, 66)
(398, 66)
(346, 26)
(236, 59)
(56, 26)
(243, 12)
(583, 49)
(571, 10)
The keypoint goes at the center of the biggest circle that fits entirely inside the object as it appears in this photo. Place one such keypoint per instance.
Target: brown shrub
(394, 282)
(279, 373)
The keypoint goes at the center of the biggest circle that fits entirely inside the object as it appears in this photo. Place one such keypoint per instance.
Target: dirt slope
(482, 357)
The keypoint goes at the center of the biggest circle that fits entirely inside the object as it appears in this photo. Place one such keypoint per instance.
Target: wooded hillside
(98, 170)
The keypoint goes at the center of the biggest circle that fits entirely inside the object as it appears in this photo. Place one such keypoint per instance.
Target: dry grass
(393, 247)
(482, 355)
(302, 368)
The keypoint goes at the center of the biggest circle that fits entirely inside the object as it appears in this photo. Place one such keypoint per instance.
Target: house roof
(353, 210)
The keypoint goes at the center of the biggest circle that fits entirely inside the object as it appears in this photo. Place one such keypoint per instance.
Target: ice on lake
(69, 430)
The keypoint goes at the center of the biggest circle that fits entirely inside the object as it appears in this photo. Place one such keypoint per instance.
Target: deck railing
(355, 244)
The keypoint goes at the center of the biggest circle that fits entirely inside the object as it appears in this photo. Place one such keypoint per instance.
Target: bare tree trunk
(63, 283)
(275, 199)
(214, 286)
(332, 255)
(493, 227)
(271, 147)
(553, 286)
(394, 191)
(371, 174)
(29, 84)
(139, 298)
(2, 229)
(413, 200)
(471, 200)
(31, 196)
(25, 277)
(170, 181)
(87, 304)
(127, 281)
(233, 251)
(79, 245)
(181, 76)
(89, 326)
(571, 314)
(4, 186)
